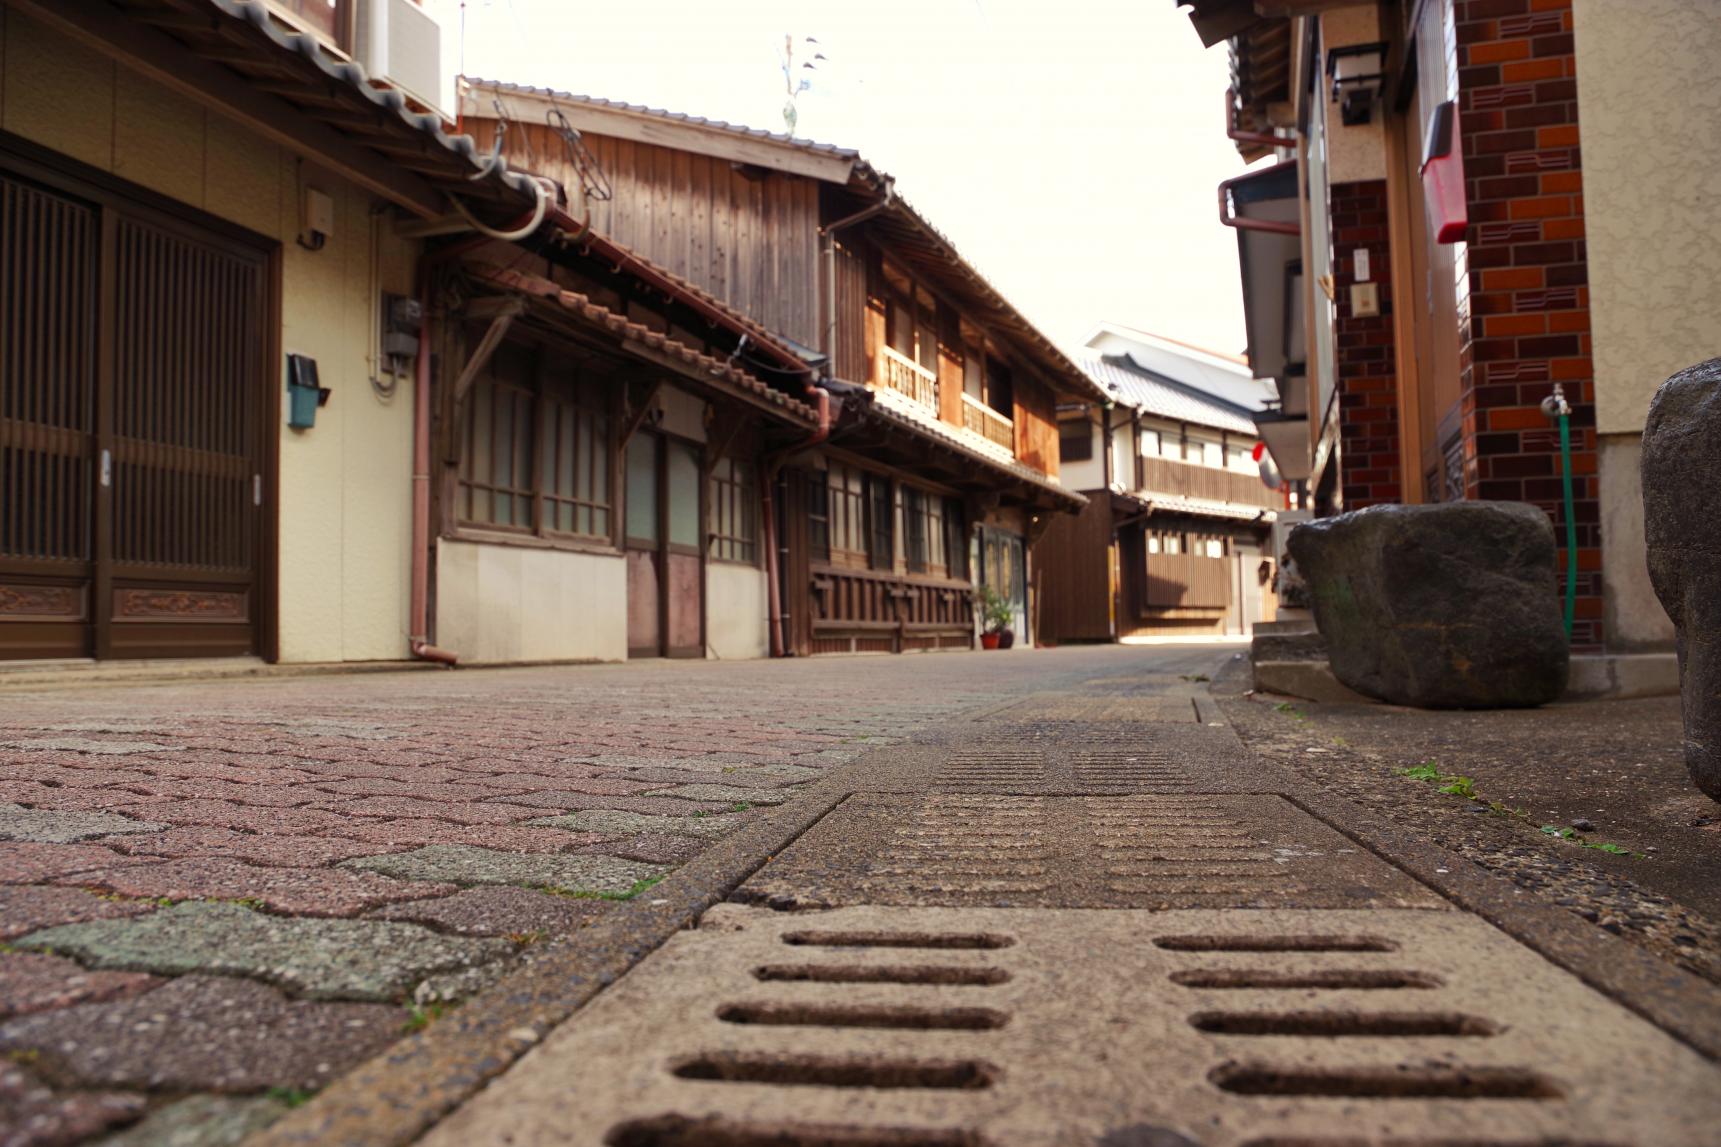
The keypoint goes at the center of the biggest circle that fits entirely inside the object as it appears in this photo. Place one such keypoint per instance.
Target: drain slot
(680, 1131)
(1338, 979)
(947, 940)
(830, 1071)
(1404, 1082)
(941, 974)
(841, 1016)
(1212, 943)
(1338, 1024)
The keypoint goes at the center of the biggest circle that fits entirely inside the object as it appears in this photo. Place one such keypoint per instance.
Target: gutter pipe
(1260, 139)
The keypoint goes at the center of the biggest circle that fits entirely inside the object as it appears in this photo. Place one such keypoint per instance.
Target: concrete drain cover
(1208, 851)
(879, 1027)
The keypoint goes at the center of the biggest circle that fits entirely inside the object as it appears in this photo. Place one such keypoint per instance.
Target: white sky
(1069, 148)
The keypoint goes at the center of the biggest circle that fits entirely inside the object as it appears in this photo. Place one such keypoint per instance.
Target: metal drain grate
(1025, 1039)
(1123, 851)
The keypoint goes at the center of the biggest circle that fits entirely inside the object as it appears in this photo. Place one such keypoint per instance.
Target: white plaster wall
(1088, 474)
(344, 486)
(1648, 110)
(497, 604)
(1123, 449)
(736, 610)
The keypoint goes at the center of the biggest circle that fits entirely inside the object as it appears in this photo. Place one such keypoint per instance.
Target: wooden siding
(1187, 581)
(1036, 426)
(850, 362)
(1169, 476)
(1072, 568)
(751, 240)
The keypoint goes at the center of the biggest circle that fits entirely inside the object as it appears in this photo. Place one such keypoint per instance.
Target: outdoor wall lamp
(1357, 72)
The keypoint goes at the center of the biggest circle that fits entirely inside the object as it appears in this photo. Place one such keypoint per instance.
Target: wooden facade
(950, 419)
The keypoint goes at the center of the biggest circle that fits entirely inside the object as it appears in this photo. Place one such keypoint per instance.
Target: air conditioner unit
(398, 43)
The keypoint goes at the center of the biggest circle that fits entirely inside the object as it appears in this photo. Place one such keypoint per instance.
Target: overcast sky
(1069, 148)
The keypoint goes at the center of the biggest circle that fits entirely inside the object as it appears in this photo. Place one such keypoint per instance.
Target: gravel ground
(1608, 772)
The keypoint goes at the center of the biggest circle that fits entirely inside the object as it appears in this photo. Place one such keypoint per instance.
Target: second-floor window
(910, 319)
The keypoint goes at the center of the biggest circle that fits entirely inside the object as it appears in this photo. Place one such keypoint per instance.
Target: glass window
(1215, 548)
(1153, 546)
(535, 449)
(1075, 441)
(683, 494)
(846, 507)
(1149, 443)
(642, 488)
(734, 512)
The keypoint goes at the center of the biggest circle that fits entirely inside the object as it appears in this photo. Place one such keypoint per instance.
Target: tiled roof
(675, 117)
(701, 366)
(1163, 397)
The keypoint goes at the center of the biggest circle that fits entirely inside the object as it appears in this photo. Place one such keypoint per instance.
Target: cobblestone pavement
(215, 897)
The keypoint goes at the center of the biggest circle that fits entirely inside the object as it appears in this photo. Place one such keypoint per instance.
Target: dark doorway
(665, 558)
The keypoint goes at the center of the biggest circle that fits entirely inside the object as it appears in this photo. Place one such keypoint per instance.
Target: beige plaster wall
(516, 603)
(1634, 618)
(344, 486)
(1359, 151)
(1648, 110)
(735, 612)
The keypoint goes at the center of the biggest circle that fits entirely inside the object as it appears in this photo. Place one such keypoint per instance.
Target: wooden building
(938, 463)
(1173, 540)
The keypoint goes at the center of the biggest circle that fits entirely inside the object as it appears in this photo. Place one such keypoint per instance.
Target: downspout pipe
(1259, 139)
(828, 234)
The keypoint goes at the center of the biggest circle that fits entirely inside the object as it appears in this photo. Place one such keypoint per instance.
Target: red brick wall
(1366, 381)
(1523, 297)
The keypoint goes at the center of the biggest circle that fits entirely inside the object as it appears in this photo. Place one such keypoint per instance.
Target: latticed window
(847, 490)
(923, 531)
(734, 512)
(536, 450)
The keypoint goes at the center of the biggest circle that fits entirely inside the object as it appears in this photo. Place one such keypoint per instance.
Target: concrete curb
(395, 1097)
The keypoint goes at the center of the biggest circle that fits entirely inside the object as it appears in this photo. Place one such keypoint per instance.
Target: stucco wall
(735, 612)
(515, 603)
(1648, 107)
(1357, 151)
(1089, 473)
(345, 486)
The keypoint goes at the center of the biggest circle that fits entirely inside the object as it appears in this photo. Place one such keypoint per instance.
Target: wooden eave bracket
(634, 419)
(502, 315)
(726, 426)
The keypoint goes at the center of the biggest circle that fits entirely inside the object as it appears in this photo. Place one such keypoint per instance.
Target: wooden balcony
(1168, 476)
(908, 378)
(981, 419)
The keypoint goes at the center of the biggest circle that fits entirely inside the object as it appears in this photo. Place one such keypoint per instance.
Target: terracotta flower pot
(1006, 638)
(990, 640)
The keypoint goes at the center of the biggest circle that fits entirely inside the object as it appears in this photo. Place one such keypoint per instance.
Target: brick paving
(215, 897)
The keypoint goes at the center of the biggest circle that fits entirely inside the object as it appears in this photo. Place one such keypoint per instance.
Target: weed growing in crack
(289, 1096)
(587, 894)
(421, 1016)
(740, 806)
(1194, 677)
(526, 939)
(1290, 710)
(1459, 785)
(1576, 837)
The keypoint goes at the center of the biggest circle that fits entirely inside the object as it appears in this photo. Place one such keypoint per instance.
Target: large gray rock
(1452, 606)
(1682, 527)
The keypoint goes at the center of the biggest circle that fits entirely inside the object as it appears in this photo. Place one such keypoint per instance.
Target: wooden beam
(480, 357)
(165, 60)
(636, 419)
(725, 428)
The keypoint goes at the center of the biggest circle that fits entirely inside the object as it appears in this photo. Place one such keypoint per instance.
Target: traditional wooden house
(936, 464)
(1173, 540)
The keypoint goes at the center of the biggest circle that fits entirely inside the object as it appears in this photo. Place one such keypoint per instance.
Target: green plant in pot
(996, 616)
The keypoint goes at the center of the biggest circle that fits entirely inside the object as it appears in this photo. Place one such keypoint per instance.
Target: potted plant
(996, 614)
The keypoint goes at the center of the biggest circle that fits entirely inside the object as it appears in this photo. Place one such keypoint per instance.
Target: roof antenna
(793, 82)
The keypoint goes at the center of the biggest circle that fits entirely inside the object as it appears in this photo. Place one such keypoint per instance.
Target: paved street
(336, 906)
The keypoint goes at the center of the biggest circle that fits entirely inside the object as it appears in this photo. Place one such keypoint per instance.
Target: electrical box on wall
(1365, 300)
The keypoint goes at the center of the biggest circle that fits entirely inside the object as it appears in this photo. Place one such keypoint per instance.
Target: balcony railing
(905, 376)
(1191, 480)
(988, 423)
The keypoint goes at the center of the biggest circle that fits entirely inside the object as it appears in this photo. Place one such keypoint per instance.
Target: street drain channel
(1218, 1028)
(1120, 851)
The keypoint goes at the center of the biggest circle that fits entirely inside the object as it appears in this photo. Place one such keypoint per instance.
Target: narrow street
(960, 899)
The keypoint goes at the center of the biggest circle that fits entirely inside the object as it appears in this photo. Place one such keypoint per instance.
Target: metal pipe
(419, 641)
(1270, 226)
(1263, 139)
(828, 234)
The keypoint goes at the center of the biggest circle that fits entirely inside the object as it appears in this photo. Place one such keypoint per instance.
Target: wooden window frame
(732, 516)
(548, 396)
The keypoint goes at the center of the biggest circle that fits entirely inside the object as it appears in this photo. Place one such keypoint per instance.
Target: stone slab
(26, 862)
(298, 891)
(201, 1121)
(497, 910)
(709, 827)
(206, 1033)
(316, 959)
(33, 1115)
(38, 982)
(466, 865)
(735, 794)
(48, 827)
(1310, 680)
(197, 841)
(28, 908)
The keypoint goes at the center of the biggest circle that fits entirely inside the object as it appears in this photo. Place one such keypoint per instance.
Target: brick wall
(1363, 350)
(1523, 297)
